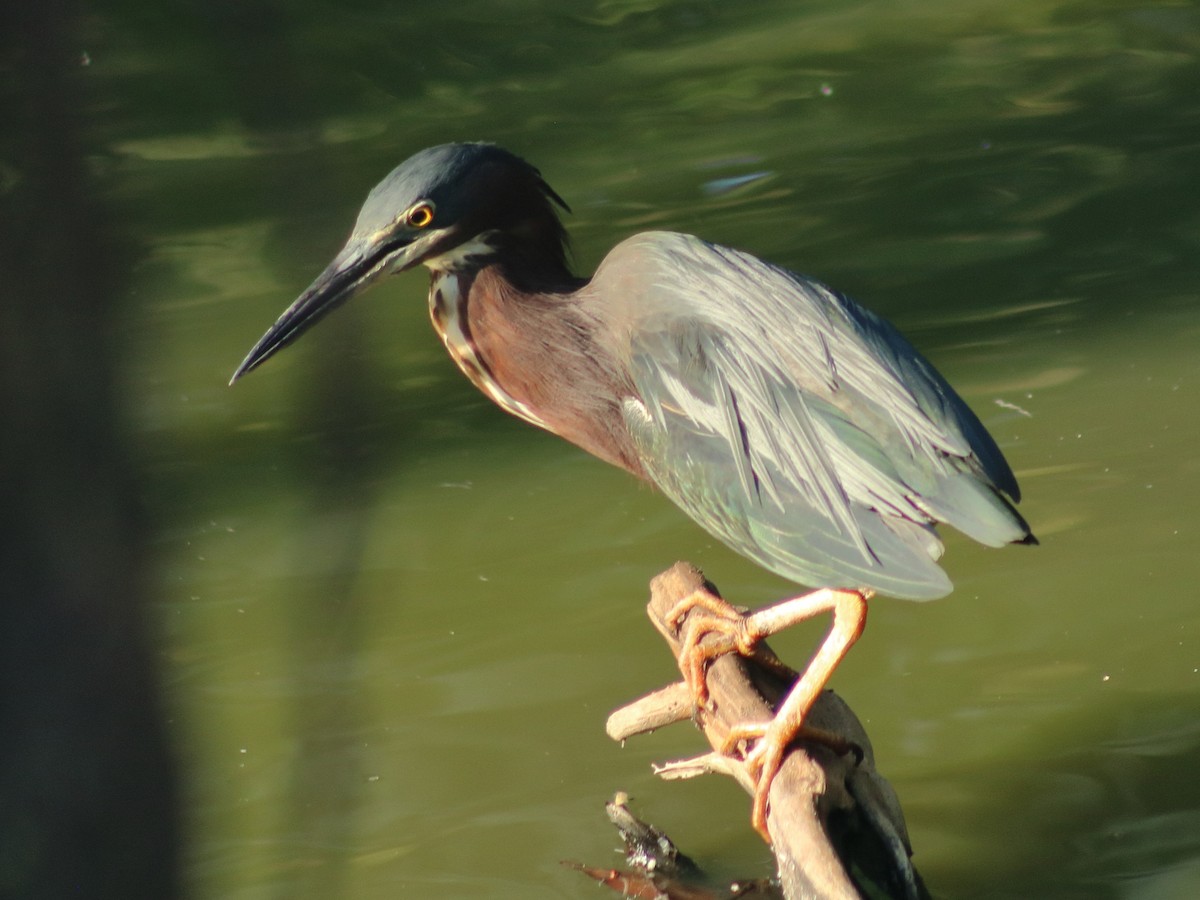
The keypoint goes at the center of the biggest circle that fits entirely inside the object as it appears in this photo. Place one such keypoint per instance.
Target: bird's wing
(796, 426)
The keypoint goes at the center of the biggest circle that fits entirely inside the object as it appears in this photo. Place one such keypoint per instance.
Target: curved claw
(695, 654)
(721, 619)
(718, 606)
(762, 762)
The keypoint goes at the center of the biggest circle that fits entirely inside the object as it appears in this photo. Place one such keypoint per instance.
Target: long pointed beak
(360, 263)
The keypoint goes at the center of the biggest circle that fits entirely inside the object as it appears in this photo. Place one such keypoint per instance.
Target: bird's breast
(448, 312)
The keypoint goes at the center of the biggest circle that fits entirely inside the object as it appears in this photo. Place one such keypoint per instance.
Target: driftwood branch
(836, 825)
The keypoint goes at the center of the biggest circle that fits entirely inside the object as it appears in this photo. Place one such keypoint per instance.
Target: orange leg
(735, 631)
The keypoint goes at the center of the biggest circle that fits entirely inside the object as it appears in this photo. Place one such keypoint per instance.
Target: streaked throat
(448, 294)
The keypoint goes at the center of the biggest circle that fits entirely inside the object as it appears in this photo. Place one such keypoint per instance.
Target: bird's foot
(703, 598)
(713, 628)
(717, 628)
(762, 747)
(762, 760)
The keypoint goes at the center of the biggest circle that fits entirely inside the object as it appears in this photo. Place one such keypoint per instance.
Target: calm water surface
(393, 619)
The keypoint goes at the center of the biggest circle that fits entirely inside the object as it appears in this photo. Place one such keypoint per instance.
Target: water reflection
(412, 667)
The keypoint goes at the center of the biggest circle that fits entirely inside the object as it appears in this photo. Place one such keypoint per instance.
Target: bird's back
(795, 425)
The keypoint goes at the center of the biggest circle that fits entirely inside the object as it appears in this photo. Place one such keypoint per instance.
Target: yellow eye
(420, 215)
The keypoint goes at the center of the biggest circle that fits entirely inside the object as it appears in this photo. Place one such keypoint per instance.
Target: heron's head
(448, 207)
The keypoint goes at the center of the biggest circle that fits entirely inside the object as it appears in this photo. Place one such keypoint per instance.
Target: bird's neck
(449, 310)
(534, 354)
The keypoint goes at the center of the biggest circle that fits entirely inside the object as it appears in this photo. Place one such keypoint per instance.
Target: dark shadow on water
(333, 455)
(338, 464)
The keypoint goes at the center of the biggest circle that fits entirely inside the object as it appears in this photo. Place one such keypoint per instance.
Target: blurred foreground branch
(87, 780)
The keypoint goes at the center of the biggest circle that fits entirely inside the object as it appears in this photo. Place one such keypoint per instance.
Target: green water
(392, 620)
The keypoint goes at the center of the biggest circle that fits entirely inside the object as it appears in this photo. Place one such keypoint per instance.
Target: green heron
(794, 425)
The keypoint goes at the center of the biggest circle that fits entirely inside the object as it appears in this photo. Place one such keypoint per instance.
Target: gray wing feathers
(796, 426)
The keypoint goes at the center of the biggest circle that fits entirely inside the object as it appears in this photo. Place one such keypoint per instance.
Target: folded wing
(799, 428)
